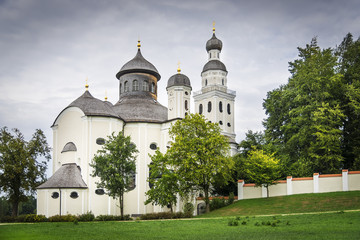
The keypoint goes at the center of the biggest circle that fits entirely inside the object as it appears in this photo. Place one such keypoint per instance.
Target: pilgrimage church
(80, 130)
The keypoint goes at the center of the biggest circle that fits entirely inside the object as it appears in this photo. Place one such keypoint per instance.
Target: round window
(74, 195)
(153, 146)
(229, 125)
(100, 141)
(55, 195)
(220, 122)
(100, 191)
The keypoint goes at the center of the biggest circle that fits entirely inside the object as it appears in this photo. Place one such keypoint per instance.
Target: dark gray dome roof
(214, 65)
(178, 80)
(140, 108)
(213, 43)
(138, 65)
(67, 176)
(91, 106)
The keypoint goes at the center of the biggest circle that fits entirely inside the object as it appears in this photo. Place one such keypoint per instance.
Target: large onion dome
(213, 43)
(178, 79)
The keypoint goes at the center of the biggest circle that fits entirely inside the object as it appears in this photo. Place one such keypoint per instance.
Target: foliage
(63, 218)
(113, 218)
(35, 218)
(115, 165)
(188, 209)
(263, 169)
(217, 202)
(165, 215)
(198, 155)
(21, 171)
(86, 217)
(305, 116)
(163, 182)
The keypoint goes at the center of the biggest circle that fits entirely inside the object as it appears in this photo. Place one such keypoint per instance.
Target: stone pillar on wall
(316, 182)
(240, 189)
(345, 180)
(263, 191)
(289, 185)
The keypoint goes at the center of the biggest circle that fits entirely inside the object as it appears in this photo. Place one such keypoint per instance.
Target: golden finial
(179, 70)
(213, 26)
(106, 95)
(87, 85)
(139, 45)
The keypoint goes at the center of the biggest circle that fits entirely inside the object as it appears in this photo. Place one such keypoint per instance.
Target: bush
(217, 203)
(63, 218)
(233, 222)
(86, 217)
(112, 218)
(231, 198)
(188, 209)
(164, 215)
(35, 218)
(7, 219)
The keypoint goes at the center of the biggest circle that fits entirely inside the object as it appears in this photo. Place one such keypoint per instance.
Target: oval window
(209, 106)
(186, 93)
(229, 125)
(220, 122)
(100, 141)
(220, 107)
(228, 109)
(200, 109)
(100, 191)
(74, 195)
(153, 146)
(55, 195)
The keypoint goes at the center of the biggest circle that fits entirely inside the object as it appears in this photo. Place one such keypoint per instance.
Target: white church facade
(80, 130)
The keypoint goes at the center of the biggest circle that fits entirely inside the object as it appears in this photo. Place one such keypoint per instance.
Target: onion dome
(178, 79)
(214, 65)
(138, 65)
(213, 43)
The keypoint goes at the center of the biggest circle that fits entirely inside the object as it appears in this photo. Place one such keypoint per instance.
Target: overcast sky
(49, 47)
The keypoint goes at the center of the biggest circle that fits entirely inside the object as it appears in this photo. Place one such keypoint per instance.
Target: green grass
(312, 226)
(301, 203)
(215, 225)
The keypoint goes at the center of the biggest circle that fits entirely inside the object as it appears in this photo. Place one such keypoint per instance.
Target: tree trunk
(207, 201)
(267, 190)
(15, 209)
(121, 198)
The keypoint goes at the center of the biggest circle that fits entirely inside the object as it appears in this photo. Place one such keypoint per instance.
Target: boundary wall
(345, 181)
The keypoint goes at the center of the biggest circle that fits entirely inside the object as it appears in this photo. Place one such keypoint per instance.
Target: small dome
(213, 43)
(178, 80)
(214, 65)
(138, 65)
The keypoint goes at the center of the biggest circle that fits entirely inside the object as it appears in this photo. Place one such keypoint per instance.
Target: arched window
(223, 82)
(200, 109)
(153, 87)
(228, 109)
(220, 107)
(120, 88)
(145, 85)
(135, 86)
(132, 184)
(126, 86)
(186, 105)
(205, 82)
(209, 106)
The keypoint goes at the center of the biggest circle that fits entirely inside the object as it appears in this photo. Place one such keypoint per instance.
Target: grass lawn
(301, 203)
(310, 226)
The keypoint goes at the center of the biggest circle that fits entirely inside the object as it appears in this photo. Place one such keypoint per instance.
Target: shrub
(112, 218)
(233, 222)
(217, 203)
(163, 215)
(7, 219)
(188, 209)
(231, 198)
(86, 217)
(63, 218)
(35, 218)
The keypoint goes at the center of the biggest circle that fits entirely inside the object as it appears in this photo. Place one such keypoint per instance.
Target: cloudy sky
(49, 47)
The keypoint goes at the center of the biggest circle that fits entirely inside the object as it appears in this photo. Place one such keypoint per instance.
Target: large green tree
(199, 155)
(349, 59)
(262, 169)
(115, 166)
(305, 116)
(22, 165)
(163, 181)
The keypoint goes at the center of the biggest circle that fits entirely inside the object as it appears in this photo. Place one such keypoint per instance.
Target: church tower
(179, 91)
(215, 101)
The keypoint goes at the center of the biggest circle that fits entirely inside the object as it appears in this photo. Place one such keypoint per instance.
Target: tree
(349, 59)
(198, 155)
(115, 165)
(262, 169)
(163, 182)
(21, 170)
(303, 113)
